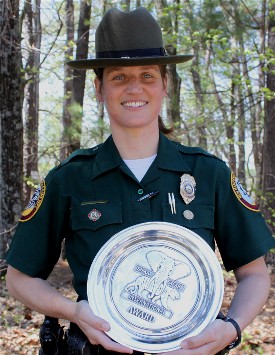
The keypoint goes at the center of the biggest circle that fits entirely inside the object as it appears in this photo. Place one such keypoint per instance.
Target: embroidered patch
(242, 195)
(94, 215)
(35, 203)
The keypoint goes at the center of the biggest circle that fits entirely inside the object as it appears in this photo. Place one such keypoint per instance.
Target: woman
(94, 194)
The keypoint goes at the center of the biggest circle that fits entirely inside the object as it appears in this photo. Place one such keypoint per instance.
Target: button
(188, 214)
(140, 191)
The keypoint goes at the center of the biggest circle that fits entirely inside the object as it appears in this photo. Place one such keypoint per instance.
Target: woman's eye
(118, 77)
(147, 76)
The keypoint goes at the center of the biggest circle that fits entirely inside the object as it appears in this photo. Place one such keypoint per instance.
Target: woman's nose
(134, 86)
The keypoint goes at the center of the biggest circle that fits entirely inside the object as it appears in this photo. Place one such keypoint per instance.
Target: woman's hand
(40, 296)
(214, 338)
(94, 328)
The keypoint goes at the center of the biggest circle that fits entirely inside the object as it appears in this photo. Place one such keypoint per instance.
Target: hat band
(133, 53)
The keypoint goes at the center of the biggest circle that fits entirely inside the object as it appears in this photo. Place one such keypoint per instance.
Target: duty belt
(74, 341)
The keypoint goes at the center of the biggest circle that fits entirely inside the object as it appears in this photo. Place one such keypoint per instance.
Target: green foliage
(31, 182)
(267, 204)
(269, 95)
(247, 345)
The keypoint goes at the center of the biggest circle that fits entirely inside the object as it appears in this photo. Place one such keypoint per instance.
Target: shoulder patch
(242, 195)
(35, 203)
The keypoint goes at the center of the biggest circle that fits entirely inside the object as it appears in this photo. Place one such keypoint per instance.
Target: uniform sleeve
(241, 232)
(36, 245)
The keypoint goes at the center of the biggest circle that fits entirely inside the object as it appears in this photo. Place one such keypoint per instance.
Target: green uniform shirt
(93, 195)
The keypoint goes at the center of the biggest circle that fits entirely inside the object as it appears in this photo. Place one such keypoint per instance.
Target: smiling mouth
(134, 103)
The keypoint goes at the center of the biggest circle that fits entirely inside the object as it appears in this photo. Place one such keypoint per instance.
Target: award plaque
(155, 283)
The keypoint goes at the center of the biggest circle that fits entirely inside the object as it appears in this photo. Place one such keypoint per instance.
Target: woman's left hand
(214, 338)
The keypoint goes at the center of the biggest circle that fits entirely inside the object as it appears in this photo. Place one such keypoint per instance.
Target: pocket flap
(190, 216)
(95, 215)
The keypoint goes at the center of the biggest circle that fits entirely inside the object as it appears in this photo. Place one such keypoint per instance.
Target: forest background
(223, 100)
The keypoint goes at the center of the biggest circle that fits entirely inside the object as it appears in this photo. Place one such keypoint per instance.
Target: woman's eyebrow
(144, 68)
(111, 70)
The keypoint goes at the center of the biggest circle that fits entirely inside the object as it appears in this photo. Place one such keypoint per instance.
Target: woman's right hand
(95, 327)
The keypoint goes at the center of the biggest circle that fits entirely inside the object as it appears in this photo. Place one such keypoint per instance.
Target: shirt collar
(168, 157)
(107, 158)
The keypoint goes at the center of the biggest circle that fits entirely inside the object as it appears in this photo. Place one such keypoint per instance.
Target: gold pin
(187, 188)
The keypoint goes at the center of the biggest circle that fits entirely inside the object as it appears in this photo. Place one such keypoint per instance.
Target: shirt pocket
(190, 216)
(199, 219)
(95, 215)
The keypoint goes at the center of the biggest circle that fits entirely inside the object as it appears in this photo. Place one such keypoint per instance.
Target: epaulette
(195, 150)
(77, 154)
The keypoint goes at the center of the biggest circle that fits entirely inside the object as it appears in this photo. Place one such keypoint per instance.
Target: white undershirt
(139, 167)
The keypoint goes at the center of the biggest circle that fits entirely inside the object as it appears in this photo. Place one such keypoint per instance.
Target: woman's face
(132, 95)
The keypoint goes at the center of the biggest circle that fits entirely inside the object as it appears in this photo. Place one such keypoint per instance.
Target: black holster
(54, 341)
(77, 343)
(51, 337)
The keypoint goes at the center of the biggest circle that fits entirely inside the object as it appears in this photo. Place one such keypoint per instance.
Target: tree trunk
(269, 125)
(222, 107)
(230, 130)
(11, 131)
(196, 77)
(241, 133)
(255, 116)
(31, 100)
(79, 76)
(173, 92)
(238, 30)
(260, 113)
(67, 141)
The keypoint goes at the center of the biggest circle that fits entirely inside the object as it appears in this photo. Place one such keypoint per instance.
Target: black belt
(75, 342)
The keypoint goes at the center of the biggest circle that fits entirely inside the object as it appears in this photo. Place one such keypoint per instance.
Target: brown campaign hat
(128, 39)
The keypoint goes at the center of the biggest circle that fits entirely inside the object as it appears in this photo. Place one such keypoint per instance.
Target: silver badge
(187, 188)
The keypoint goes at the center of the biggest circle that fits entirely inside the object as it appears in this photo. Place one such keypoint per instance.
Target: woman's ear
(98, 90)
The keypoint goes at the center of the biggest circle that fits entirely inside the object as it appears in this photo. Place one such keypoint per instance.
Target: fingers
(109, 344)
(204, 350)
(198, 341)
(99, 323)
(86, 317)
(97, 337)
(176, 352)
(95, 327)
(214, 338)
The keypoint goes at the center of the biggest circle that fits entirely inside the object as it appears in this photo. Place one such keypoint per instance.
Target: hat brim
(126, 62)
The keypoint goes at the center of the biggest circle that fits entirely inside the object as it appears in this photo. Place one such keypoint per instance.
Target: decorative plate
(156, 283)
